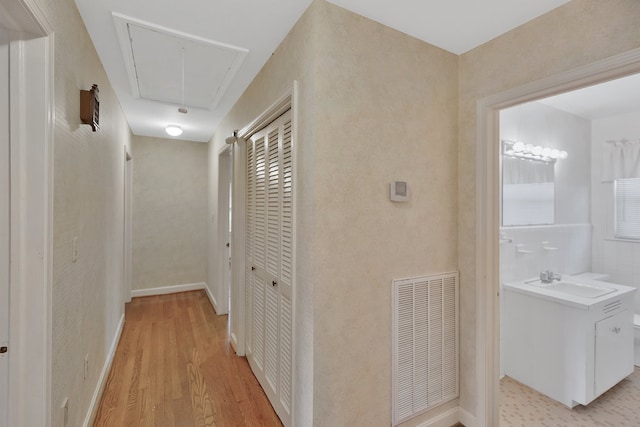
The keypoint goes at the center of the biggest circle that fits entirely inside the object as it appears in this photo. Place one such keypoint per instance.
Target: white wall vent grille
(425, 344)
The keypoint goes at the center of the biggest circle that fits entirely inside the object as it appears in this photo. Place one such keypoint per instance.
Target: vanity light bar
(532, 152)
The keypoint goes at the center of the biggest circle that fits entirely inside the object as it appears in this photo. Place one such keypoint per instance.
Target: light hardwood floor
(174, 367)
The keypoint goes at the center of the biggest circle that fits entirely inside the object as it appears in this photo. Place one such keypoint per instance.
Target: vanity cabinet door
(614, 350)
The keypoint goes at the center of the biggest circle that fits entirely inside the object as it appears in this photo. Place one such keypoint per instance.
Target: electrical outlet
(65, 411)
(86, 366)
(74, 249)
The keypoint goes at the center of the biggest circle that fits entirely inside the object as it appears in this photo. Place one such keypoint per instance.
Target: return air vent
(425, 344)
(153, 56)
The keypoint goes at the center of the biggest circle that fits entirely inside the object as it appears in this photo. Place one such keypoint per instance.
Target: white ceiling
(454, 25)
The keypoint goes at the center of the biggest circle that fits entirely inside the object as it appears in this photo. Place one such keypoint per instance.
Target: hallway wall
(87, 295)
(169, 246)
(375, 106)
(575, 34)
(387, 110)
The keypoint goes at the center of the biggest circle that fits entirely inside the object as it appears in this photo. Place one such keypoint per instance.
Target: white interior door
(269, 273)
(222, 293)
(4, 225)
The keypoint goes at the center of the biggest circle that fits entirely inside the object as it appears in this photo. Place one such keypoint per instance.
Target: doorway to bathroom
(488, 223)
(557, 212)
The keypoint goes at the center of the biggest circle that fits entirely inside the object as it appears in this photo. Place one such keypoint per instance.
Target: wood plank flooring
(175, 367)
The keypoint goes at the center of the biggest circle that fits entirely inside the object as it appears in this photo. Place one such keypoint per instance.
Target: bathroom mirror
(528, 191)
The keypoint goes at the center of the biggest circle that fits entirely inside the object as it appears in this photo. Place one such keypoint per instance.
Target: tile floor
(618, 407)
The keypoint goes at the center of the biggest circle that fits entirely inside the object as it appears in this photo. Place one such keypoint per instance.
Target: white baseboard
(97, 394)
(445, 419)
(212, 300)
(467, 419)
(234, 342)
(163, 290)
(450, 417)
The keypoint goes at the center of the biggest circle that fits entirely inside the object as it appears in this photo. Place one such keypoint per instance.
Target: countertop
(536, 288)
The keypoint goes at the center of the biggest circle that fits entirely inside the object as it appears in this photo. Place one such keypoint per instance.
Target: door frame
(488, 211)
(225, 170)
(240, 319)
(31, 87)
(5, 182)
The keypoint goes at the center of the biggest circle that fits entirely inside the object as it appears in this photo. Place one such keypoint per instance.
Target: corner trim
(212, 300)
(163, 290)
(97, 394)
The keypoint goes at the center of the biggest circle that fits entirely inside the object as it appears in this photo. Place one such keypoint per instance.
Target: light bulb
(555, 153)
(564, 154)
(537, 150)
(173, 130)
(518, 147)
(528, 148)
(546, 152)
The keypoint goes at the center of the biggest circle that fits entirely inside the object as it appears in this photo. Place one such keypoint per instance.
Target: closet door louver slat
(260, 229)
(287, 205)
(273, 203)
(285, 352)
(249, 230)
(286, 265)
(258, 322)
(425, 344)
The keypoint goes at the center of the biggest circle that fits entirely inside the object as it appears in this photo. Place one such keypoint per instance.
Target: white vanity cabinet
(569, 348)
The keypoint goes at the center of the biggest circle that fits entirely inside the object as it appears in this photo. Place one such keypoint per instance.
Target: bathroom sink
(579, 289)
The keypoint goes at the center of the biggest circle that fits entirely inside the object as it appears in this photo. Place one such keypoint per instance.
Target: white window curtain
(620, 160)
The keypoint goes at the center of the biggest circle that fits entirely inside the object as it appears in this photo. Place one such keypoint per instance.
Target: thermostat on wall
(399, 191)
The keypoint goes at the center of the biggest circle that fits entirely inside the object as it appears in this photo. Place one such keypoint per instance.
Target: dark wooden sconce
(90, 107)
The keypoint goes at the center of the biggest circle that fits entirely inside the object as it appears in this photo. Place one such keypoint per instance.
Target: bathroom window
(627, 208)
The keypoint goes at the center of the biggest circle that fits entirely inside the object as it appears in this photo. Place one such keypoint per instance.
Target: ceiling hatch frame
(123, 25)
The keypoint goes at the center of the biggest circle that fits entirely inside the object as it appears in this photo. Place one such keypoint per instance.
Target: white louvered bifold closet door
(425, 344)
(269, 249)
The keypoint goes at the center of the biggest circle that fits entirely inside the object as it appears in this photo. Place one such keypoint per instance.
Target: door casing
(488, 211)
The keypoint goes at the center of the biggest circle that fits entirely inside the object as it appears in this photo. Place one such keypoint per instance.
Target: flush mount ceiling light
(173, 130)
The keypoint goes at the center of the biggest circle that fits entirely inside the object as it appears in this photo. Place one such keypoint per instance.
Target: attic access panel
(153, 56)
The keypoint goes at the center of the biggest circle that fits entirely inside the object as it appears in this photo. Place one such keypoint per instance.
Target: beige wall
(169, 246)
(387, 110)
(578, 33)
(88, 203)
(375, 106)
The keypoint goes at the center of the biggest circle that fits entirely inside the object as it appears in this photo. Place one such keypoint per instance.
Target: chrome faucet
(549, 276)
